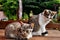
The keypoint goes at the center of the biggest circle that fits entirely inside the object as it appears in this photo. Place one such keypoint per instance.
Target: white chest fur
(43, 20)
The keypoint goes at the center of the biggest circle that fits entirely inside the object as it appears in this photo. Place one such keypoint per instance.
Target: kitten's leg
(38, 32)
(12, 35)
(44, 32)
(41, 31)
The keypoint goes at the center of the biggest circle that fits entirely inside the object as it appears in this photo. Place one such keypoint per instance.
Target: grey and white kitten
(41, 20)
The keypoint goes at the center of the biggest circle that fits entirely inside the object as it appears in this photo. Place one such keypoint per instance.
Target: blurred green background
(10, 7)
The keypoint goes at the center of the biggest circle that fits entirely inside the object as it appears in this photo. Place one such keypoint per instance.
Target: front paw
(21, 38)
(45, 34)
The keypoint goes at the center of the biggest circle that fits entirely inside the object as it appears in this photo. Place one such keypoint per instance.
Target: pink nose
(50, 17)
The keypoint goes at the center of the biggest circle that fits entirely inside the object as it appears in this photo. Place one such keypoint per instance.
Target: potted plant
(25, 17)
(10, 7)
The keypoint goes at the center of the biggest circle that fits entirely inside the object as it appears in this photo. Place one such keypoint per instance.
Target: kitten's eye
(50, 11)
(23, 30)
(18, 29)
(47, 14)
(27, 31)
(52, 14)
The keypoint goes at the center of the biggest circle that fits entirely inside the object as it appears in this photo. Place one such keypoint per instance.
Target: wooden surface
(53, 35)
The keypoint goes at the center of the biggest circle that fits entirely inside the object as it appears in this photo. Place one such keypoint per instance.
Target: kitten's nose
(50, 18)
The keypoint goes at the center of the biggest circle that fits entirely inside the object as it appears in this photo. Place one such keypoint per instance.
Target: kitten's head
(49, 14)
(25, 30)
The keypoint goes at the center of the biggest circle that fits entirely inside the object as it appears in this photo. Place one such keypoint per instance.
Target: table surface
(52, 35)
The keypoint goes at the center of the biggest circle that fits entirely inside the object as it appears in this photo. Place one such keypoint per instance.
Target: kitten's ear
(32, 25)
(21, 22)
(54, 12)
(45, 11)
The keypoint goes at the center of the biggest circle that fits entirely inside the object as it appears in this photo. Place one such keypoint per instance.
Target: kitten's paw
(36, 33)
(22, 39)
(25, 39)
(45, 34)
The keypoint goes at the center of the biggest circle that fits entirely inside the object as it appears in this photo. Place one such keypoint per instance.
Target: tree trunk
(20, 9)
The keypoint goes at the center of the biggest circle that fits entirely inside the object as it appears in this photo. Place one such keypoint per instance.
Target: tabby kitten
(19, 31)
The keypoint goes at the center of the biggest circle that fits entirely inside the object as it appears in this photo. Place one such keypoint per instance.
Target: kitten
(40, 21)
(19, 31)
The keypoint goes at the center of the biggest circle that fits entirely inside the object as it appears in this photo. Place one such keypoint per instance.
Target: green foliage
(59, 12)
(1, 7)
(40, 5)
(31, 5)
(56, 1)
(54, 21)
(58, 17)
(13, 17)
(1, 4)
(49, 4)
(9, 7)
(31, 13)
(25, 16)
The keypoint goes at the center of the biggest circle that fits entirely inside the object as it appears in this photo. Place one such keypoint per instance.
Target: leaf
(12, 6)
(10, 1)
(15, 2)
(57, 1)
(25, 16)
(1, 0)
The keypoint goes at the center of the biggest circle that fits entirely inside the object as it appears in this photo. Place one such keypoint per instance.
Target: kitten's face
(26, 29)
(49, 14)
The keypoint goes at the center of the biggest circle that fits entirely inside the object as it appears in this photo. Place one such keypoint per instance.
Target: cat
(40, 21)
(19, 31)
